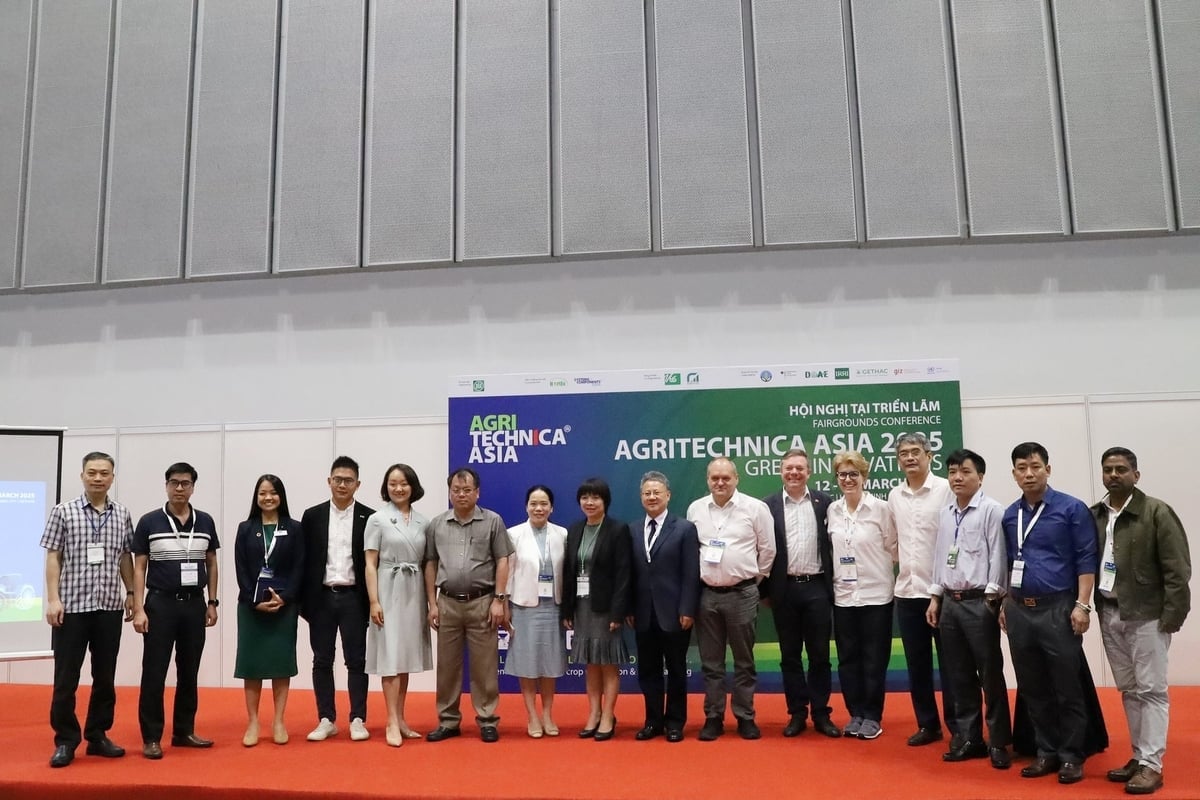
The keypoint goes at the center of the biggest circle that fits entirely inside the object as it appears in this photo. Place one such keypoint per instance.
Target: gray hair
(655, 475)
(913, 438)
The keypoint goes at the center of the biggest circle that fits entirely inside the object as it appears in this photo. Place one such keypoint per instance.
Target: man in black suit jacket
(666, 589)
(800, 593)
(334, 597)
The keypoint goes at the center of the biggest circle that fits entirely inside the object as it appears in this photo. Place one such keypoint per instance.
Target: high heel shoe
(588, 733)
(280, 735)
(604, 736)
(534, 728)
(549, 727)
(393, 737)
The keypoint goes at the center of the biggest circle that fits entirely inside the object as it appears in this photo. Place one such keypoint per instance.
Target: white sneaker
(358, 730)
(324, 730)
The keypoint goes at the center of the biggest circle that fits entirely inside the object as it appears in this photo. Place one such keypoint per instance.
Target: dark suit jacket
(775, 586)
(287, 559)
(667, 586)
(315, 524)
(609, 578)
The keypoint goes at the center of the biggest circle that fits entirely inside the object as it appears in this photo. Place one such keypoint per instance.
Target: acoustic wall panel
(1011, 126)
(804, 140)
(1113, 115)
(1179, 29)
(504, 129)
(703, 141)
(603, 178)
(907, 120)
(66, 143)
(318, 157)
(147, 144)
(16, 41)
(409, 199)
(233, 118)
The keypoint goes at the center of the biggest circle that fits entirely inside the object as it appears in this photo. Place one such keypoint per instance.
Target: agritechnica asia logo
(497, 438)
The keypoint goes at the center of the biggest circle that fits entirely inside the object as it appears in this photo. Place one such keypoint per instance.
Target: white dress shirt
(916, 513)
(800, 523)
(339, 555)
(746, 529)
(869, 537)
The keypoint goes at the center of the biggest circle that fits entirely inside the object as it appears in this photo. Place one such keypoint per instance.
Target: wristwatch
(214, 602)
(500, 597)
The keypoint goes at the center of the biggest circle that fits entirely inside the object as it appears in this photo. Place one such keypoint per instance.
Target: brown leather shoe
(1041, 766)
(152, 751)
(190, 740)
(1124, 774)
(1147, 781)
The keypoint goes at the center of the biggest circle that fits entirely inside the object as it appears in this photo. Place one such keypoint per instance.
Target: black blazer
(315, 524)
(775, 586)
(668, 586)
(609, 579)
(287, 559)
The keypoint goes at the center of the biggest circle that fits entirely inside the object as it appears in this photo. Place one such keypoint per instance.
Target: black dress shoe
(1124, 774)
(675, 735)
(588, 733)
(1000, 757)
(190, 740)
(63, 755)
(489, 733)
(796, 726)
(713, 728)
(748, 729)
(1070, 772)
(966, 751)
(1042, 765)
(152, 751)
(604, 736)
(105, 747)
(442, 732)
(647, 733)
(925, 736)
(825, 727)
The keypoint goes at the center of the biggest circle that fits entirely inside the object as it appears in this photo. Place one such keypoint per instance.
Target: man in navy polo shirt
(175, 561)
(1051, 539)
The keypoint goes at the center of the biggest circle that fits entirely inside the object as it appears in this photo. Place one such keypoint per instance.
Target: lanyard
(1022, 531)
(274, 537)
(1113, 513)
(98, 520)
(542, 540)
(187, 553)
(958, 520)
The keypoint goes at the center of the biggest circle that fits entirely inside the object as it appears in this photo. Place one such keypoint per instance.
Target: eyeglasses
(848, 476)
(339, 481)
(463, 492)
(174, 484)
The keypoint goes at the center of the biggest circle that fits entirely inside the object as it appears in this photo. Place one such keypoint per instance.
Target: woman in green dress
(268, 557)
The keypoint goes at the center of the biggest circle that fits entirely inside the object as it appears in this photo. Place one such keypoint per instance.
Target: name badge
(952, 557)
(266, 572)
(95, 554)
(847, 570)
(1108, 576)
(1018, 572)
(545, 587)
(582, 587)
(713, 551)
(189, 574)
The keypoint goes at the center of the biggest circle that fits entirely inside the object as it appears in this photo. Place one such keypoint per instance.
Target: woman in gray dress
(398, 637)
(536, 647)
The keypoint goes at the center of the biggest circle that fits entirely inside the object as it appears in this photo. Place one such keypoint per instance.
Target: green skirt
(266, 643)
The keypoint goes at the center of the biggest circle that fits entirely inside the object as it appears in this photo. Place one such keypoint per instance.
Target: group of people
(952, 567)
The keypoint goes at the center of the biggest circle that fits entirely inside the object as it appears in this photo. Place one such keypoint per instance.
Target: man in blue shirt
(1051, 539)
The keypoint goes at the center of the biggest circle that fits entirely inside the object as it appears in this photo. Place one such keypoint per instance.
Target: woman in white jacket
(536, 647)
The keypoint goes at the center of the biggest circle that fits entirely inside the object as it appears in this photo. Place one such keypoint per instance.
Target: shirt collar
(804, 498)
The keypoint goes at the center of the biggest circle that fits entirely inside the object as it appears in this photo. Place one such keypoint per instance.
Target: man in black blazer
(334, 597)
(799, 591)
(666, 589)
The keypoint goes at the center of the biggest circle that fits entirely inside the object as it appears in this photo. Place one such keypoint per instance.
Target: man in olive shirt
(1143, 597)
(466, 572)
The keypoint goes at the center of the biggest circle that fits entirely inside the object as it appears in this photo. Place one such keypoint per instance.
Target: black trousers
(174, 625)
(804, 622)
(919, 641)
(100, 632)
(330, 614)
(971, 656)
(658, 650)
(864, 643)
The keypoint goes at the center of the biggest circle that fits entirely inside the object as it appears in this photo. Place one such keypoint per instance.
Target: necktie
(651, 535)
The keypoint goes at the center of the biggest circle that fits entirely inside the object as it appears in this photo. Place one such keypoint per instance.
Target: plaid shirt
(74, 525)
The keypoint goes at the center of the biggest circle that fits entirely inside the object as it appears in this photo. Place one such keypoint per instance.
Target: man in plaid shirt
(89, 581)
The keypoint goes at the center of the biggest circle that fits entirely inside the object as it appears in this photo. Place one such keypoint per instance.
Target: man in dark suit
(666, 588)
(334, 597)
(799, 591)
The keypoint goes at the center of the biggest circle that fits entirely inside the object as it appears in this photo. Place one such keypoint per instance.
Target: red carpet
(521, 768)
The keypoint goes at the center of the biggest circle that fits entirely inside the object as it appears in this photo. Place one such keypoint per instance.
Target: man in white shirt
(916, 505)
(737, 548)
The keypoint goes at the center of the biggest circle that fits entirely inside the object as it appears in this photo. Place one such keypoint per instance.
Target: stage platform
(566, 767)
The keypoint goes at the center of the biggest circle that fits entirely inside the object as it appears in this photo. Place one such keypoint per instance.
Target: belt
(1044, 600)
(339, 589)
(733, 588)
(180, 594)
(805, 578)
(966, 594)
(466, 597)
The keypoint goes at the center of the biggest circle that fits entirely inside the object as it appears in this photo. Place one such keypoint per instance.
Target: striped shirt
(156, 537)
(71, 528)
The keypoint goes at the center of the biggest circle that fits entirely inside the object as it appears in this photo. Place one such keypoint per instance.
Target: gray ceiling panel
(16, 41)
(1179, 28)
